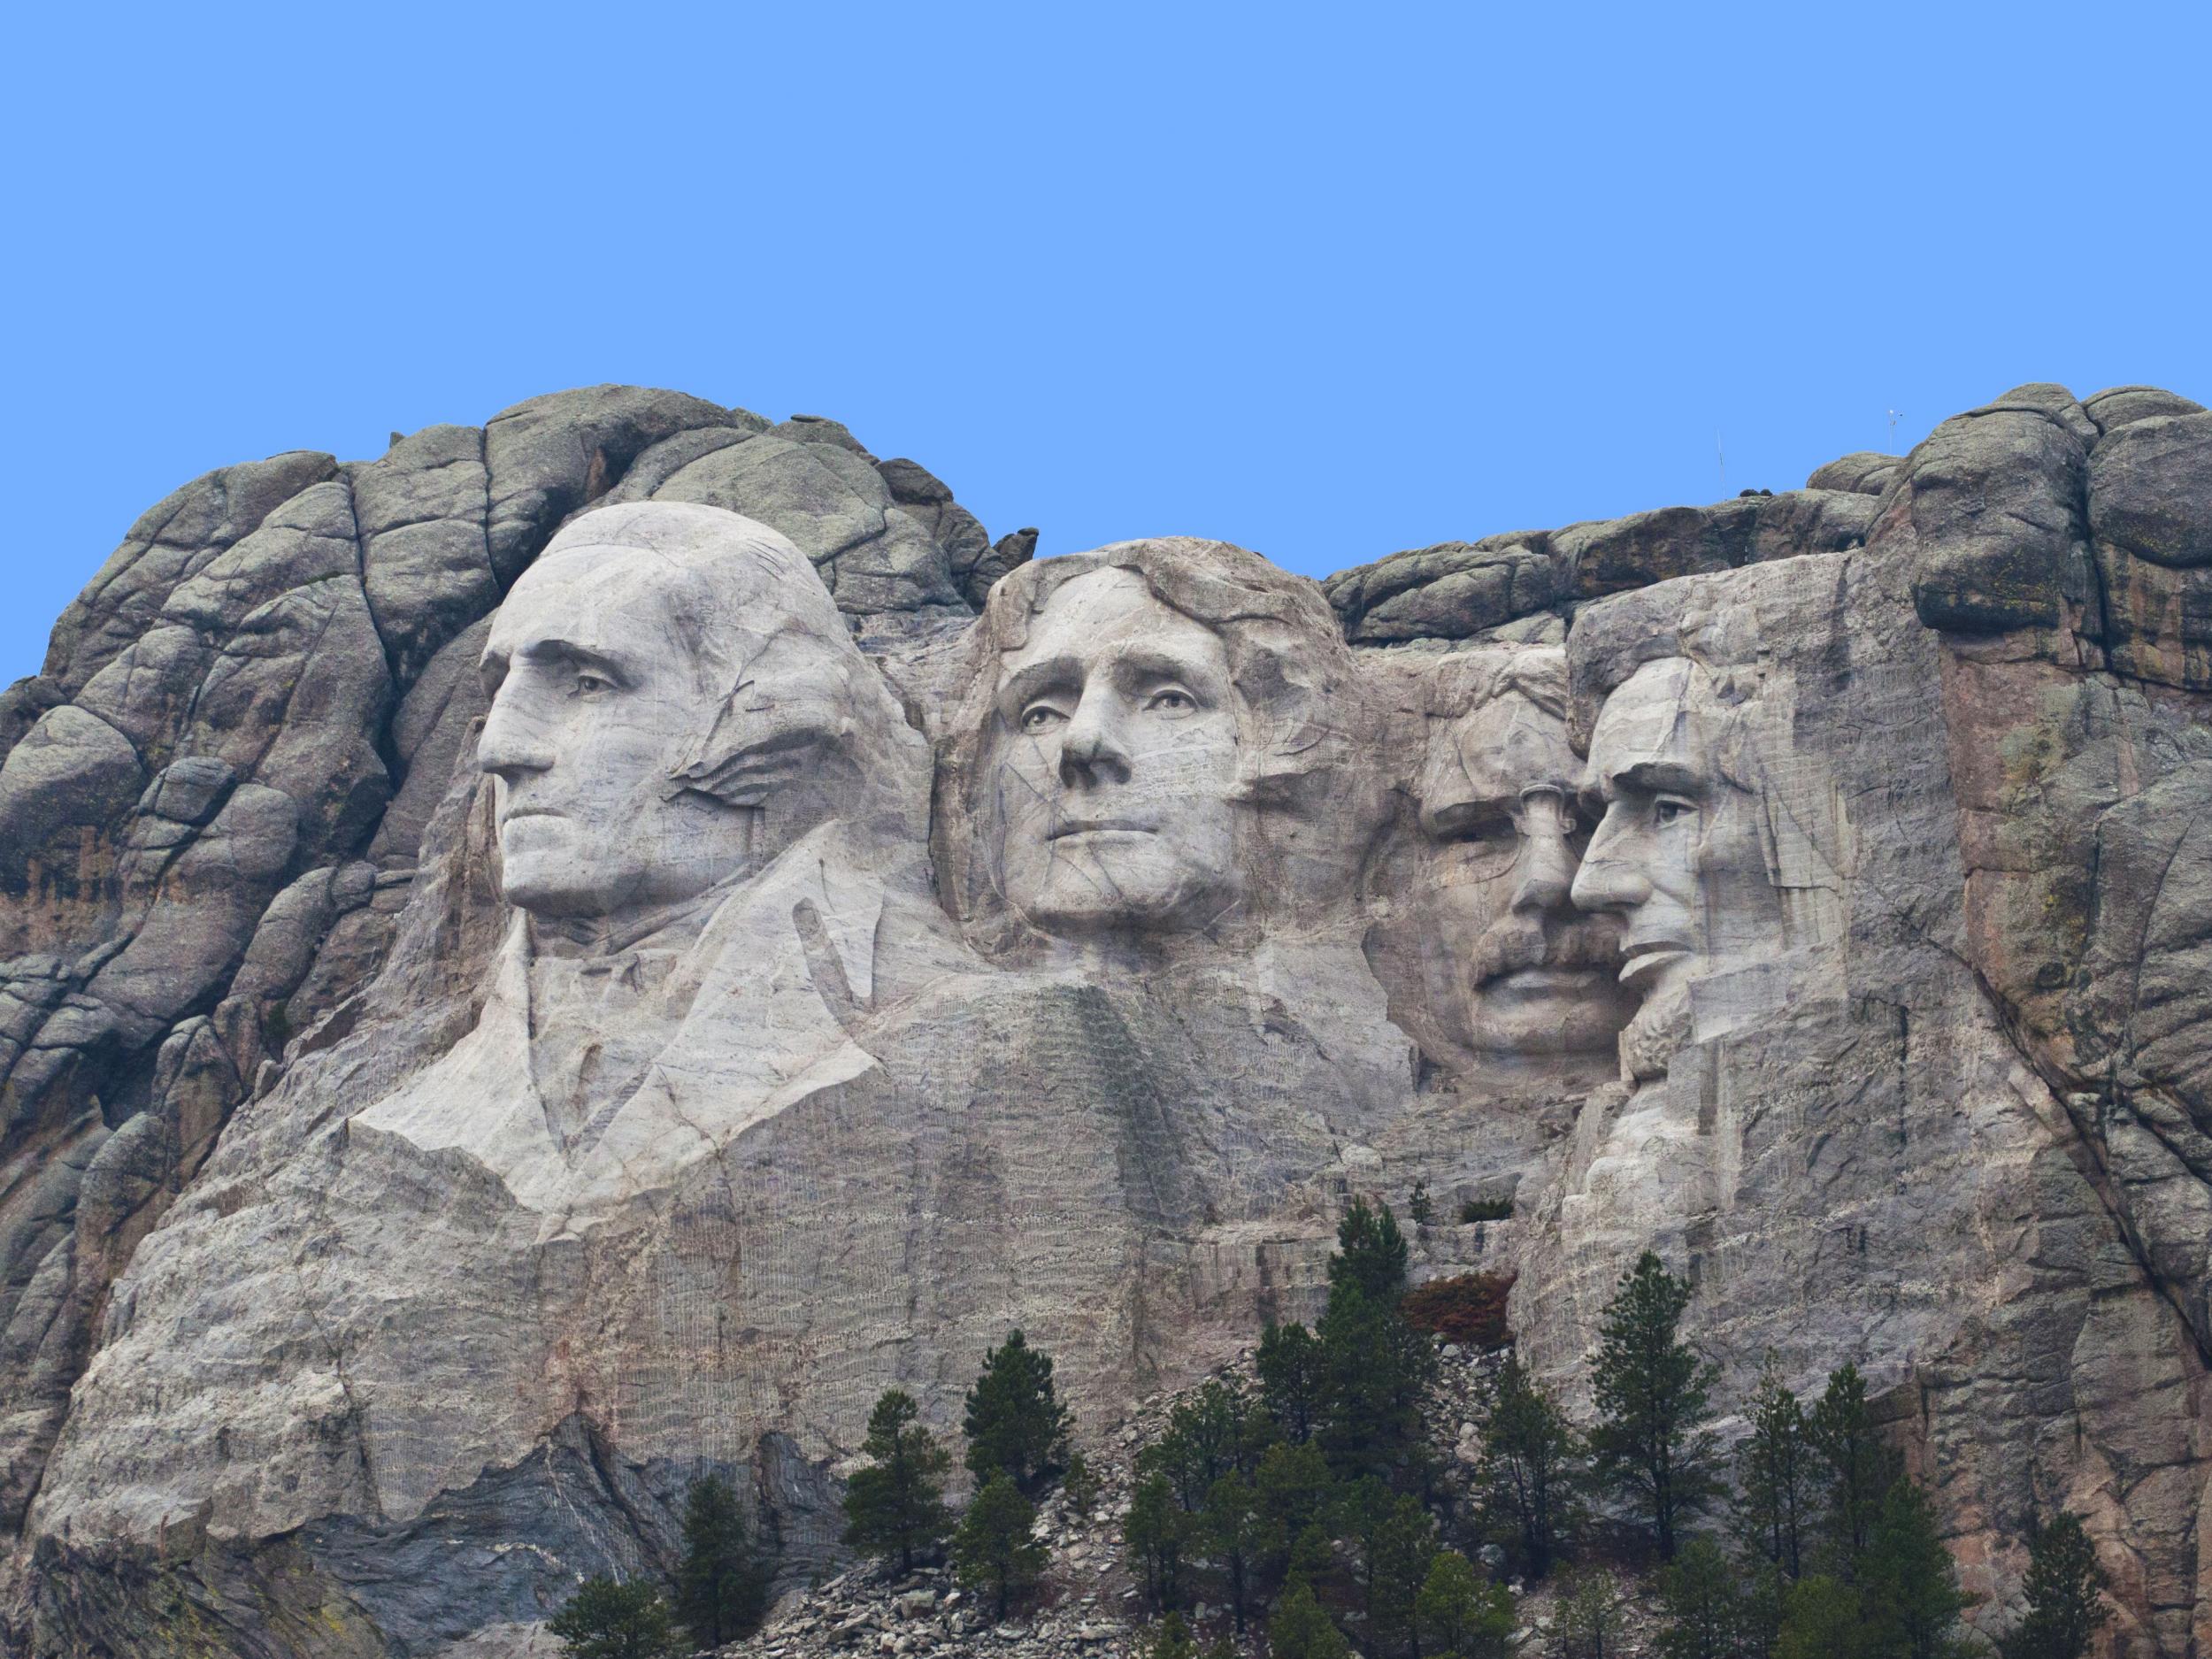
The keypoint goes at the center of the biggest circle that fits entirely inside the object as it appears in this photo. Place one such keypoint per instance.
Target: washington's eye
(1173, 700)
(590, 681)
(1040, 717)
(1665, 809)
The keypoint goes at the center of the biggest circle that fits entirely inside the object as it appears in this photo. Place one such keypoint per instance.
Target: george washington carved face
(669, 684)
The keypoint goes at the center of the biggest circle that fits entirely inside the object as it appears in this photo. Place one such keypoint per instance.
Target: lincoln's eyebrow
(1651, 776)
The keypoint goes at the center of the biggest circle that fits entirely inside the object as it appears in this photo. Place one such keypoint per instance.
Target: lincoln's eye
(1040, 717)
(1665, 811)
(1173, 700)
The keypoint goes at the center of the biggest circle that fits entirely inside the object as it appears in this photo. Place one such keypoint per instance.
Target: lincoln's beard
(1659, 1031)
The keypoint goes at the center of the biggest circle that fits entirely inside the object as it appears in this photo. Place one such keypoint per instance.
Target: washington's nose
(1093, 747)
(511, 744)
(1606, 882)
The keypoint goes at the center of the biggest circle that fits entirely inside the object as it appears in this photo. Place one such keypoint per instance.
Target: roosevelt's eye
(1173, 701)
(1666, 810)
(1040, 717)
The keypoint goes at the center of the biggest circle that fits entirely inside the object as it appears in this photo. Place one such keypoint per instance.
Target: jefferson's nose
(1609, 879)
(1093, 747)
(512, 743)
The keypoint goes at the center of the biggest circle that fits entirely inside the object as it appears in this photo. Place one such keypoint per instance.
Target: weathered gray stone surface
(577, 952)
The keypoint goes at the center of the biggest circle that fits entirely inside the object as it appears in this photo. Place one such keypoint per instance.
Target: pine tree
(1209, 1433)
(609, 1619)
(1651, 1396)
(995, 1552)
(1298, 1629)
(1458, 1616)
(1371, 1254)
(1528, 1484)
(1171, 1640)
(1821, 1619)
(1296, 1496)
(2065, 1591)
(1392, 1540)
(1912, 1598)
(1777, 1476)
(1154, 1535)
(1014, 1420)
(895, 1506)
(1418, 1205)
(722, 1585)
(1591, 1616)
(1234, 1533)
(1859, 1470)
(1378, 1370)
(1703, 1606)
(1294, 1380)
(1080, 1484)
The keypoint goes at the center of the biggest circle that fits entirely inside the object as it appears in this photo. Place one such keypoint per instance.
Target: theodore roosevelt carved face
(668, 686)
(1500, 806)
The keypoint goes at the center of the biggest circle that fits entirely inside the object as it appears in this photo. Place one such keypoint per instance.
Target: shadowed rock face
(576, 953)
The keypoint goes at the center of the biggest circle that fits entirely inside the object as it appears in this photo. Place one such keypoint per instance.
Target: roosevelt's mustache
(1520, 941)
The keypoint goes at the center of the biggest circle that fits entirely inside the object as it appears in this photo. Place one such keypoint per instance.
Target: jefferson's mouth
(510, 816)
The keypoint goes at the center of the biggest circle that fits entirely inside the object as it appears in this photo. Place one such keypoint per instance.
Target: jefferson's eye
(1174, 700)
(1665, 811)
(1040, 717)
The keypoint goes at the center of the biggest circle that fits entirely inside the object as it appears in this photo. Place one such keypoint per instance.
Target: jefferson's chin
(1108, 882)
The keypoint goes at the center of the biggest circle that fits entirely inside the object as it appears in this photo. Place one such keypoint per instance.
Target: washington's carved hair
(801, 720)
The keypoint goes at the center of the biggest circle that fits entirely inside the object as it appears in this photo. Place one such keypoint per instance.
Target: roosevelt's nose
(1094, 747)
(1547, 871)
(512, 742)
(1610, 879)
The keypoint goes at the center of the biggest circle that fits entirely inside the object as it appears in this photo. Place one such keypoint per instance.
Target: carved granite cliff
(576, 953)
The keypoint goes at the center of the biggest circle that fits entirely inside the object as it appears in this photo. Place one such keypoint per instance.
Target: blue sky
(1325, 281)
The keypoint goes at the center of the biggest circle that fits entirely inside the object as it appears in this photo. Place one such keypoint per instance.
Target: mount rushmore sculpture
(576, 954)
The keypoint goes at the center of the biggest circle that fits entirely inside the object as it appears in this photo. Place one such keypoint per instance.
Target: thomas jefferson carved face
(1678, 855)
(1118, 771)
(1498, 801)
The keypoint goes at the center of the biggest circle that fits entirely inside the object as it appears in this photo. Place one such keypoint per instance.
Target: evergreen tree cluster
(1305, 1504)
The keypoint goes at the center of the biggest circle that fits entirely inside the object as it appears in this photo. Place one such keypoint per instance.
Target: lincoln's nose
(1607, 880)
